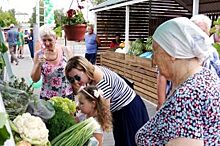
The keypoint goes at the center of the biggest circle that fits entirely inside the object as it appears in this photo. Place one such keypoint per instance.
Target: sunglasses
(73, 79)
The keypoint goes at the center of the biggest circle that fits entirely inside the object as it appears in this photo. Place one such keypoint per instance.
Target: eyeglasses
(73, 79)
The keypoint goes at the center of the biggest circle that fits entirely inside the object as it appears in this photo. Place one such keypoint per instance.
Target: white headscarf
(181, 38)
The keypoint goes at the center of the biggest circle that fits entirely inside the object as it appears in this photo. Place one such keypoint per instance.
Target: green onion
(78, 134)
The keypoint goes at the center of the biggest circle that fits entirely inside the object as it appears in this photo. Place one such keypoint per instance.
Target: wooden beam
(183, 4)
(118, 5)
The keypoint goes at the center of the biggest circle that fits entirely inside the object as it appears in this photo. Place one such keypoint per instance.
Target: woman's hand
(41, 60)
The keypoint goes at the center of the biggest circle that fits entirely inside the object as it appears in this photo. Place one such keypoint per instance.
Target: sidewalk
(24, 70)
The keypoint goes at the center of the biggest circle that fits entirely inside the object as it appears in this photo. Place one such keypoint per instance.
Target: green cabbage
(66, 104)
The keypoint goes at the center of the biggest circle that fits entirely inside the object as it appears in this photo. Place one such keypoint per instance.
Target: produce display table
(138, 70)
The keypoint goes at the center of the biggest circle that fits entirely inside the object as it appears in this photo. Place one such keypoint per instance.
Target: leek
(78, 134)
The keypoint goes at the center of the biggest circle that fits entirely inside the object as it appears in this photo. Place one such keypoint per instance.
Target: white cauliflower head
(32, 129)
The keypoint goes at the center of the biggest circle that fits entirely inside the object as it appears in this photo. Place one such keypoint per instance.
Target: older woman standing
(50, 62)
(128, 110)
(92, 42)
(190, 116)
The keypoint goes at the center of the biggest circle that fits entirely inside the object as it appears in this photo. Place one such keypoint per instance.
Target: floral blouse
(54, 82)
(192, 111)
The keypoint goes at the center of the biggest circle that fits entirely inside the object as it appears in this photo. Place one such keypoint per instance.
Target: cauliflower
(31, 129)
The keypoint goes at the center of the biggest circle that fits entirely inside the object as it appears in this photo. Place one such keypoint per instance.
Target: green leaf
(4, 134)
(2, 119)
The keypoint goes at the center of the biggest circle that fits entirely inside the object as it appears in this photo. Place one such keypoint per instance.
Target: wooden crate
(139, 70)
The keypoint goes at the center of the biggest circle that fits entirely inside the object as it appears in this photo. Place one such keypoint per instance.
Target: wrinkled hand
(41, 60)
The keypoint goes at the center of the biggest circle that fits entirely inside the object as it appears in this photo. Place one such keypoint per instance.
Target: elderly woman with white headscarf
(49, 63)
(191, 114)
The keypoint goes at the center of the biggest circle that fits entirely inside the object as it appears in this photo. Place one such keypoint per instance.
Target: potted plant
(74, 24)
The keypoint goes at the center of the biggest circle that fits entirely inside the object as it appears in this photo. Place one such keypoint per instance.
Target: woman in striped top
(128, 110)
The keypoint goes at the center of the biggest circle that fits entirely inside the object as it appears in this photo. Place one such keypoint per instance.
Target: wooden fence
(139, 70)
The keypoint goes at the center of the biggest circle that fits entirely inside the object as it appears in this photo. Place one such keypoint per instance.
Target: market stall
(137, 70)
(144, 17)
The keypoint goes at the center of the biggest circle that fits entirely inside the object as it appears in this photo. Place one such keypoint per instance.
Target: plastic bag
(41, 108)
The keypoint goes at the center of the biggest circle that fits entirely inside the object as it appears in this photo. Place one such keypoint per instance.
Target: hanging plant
(74, 23)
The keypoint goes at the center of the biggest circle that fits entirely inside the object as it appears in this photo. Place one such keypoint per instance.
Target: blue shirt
(91, 44)
(12, 37)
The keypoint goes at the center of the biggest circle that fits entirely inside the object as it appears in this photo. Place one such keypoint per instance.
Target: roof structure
(108, 3)
(205, 6)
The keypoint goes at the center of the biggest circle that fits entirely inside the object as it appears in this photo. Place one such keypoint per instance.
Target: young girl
(92, 104)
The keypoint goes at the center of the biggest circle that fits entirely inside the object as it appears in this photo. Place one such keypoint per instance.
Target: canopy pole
(38, 13)
(195, 7)
(127, 28)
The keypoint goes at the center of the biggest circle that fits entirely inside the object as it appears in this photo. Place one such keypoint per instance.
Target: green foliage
(32, 20)
(16, 96)
(98, 1)
(3, 49)
(216, 30)
(4, 134)
(7, 18)
(217, 22)
(78, 134)
(58, 16)
(149, 43)
(137, 47)
(59, 122)
(2, 64)
(217, 46)
(76, 19)
(66, 104)
(19, 83)
(58, 31)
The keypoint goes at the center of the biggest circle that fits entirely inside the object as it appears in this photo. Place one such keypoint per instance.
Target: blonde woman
(49, 62)
(128, 109)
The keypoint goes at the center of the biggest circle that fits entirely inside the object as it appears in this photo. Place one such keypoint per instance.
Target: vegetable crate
(138, 70)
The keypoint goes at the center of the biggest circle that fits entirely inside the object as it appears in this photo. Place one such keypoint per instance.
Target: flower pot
(75, 32)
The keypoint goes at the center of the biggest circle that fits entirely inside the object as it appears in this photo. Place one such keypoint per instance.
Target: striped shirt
(115, 89)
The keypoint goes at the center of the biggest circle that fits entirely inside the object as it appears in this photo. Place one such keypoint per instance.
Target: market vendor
(115, 43)
(49, 63)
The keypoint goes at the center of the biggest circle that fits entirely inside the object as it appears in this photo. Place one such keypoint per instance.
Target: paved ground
(24, 69)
